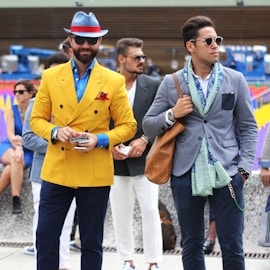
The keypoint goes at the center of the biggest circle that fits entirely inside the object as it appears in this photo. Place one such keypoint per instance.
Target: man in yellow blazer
(78, 99)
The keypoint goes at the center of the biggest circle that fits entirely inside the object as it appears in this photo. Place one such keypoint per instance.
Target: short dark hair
(123, 44)
(192, 26)
(57, 58)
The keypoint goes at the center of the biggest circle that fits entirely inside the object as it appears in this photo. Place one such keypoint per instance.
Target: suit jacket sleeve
(30, 139)
(265, 158)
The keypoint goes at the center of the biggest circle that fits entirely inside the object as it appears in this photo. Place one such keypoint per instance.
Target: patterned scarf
(207, 172)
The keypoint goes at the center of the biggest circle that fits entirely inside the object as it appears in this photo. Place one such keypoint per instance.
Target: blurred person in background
(153, 70)
(65, 47)
(13, 155)
(39, 146)
(264, 162)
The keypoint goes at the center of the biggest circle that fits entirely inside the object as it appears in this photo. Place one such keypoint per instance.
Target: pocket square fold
(102, 96)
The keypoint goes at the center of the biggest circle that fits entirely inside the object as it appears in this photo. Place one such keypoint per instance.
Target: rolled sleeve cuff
(264, 163)
(103, 140)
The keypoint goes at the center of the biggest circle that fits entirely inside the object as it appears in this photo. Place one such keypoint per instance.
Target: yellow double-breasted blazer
(56, 104)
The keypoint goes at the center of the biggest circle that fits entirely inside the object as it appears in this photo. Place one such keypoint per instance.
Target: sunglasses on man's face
(209, 41)
(20, 92)
(138, 58)
(80, 40)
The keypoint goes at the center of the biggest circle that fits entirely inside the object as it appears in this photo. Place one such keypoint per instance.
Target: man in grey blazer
(39, 146)
(214, 155)
(129, 179)
(264, 161)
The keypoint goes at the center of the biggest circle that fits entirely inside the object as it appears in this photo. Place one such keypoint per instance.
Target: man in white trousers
(130, 182)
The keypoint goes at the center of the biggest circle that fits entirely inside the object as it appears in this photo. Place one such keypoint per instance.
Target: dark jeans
(229, 222)
(211, 216)
(55, 201)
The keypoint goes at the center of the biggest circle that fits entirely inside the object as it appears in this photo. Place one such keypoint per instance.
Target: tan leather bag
(159, 160)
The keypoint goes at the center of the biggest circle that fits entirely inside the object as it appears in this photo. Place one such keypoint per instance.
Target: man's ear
(69, 39)
(121, 58)
(190, 46)
(100, 40)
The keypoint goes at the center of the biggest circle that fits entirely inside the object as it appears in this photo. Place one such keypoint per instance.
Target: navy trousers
(55, 201)
(229, 222)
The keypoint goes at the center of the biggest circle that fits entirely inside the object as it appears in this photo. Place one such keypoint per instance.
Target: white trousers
(66, 231)
(122, 198)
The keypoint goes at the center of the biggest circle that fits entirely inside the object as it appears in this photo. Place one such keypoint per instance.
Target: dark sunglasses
(138, 58)
(80, 40)
(20, 92)
(209, 41)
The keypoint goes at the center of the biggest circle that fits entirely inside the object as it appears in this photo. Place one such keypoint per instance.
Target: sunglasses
(20, 92)
(138, 58)
(80, 40)
(209, 41)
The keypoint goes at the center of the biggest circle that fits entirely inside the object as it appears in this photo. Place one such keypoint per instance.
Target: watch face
(171, 116)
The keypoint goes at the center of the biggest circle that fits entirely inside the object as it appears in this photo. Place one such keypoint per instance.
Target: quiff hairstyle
(123, 44)
(192, 26)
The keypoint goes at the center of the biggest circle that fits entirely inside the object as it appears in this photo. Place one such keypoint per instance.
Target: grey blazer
(146, 90)
(35, 143)
(229, 126)
(265, 158)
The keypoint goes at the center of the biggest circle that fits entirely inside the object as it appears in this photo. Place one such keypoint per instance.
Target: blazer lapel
(93, 89)
(140, 96)
(65, 80)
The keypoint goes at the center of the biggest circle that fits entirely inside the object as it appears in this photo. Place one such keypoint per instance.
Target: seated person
(13, 155)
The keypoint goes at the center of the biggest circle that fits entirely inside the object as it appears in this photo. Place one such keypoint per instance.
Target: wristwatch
(171, 115)
(145, 138)
(54, 135)
(244, 173)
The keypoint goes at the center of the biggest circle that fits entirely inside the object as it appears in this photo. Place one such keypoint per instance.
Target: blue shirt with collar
(80, 83)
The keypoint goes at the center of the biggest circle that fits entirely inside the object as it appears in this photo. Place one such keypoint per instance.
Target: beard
(85, 58)
(137, 70)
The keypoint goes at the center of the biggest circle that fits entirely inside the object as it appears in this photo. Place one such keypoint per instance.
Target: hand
(244, 178)
(138, 147)
(89, 145)
(183, 107)
(65, 133)
(16, 141)
(18, 154)
(118, 154)
(265, 177)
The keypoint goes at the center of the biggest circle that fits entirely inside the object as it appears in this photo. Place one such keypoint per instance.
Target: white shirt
(204, 83)
(131, 93)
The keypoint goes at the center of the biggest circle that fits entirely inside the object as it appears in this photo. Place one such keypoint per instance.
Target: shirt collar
(198, 77)
(90, 67)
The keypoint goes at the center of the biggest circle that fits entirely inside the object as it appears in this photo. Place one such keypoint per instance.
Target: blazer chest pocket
(228, 101)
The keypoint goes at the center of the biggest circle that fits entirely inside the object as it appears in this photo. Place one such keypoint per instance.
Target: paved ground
(13, 258)
(18, 229)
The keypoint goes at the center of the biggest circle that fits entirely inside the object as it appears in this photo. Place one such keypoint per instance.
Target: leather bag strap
(177, 85)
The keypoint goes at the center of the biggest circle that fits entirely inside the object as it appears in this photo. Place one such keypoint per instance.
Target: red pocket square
(102, 96)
